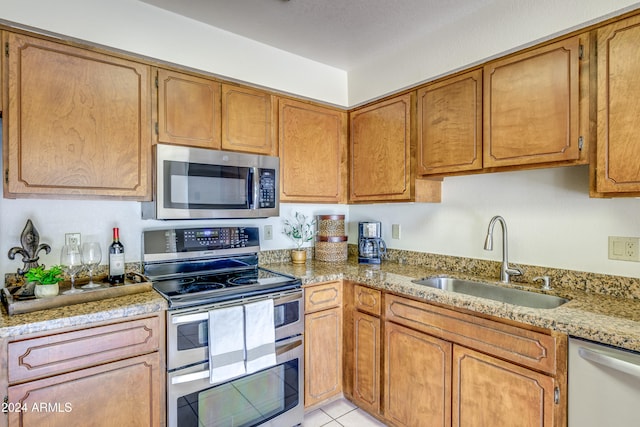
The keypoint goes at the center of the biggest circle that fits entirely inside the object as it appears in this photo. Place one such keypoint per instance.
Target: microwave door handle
(254, 187)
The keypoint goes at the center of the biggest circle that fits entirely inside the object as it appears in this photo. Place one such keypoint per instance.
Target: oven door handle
(188, 318)
(187, 378)
(288, 347)
(195, 376)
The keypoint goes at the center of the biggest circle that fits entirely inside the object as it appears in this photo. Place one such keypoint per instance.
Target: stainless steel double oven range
(201, 270)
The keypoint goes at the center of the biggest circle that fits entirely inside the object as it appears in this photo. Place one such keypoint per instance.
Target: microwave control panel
(267, 196)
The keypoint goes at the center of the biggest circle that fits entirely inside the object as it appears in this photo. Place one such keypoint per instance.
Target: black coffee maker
(371, 247)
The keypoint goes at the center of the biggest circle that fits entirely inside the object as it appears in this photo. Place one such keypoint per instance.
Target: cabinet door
(322, 355)
(491, 392)
(123, 393)
(450, 125)
(188, 110)
(531, 106)
(313, 153)
(417, 378)
(367, 354)
(248, 121)
(380, 143)
(618, 150)
(79, 123)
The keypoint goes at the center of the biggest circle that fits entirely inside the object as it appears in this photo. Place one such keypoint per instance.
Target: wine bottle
(116, 259)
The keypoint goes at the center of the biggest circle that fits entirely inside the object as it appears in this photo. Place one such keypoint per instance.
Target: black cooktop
(211, 287)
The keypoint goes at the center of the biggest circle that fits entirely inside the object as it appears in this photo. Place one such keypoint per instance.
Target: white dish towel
(260, 335)
(226, 344)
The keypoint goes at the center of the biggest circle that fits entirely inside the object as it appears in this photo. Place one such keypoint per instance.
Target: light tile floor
(338, 413)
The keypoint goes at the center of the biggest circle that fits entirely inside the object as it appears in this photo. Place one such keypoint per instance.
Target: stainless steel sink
(493, 292)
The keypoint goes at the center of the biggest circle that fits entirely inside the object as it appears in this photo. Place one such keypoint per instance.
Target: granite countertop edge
(83, 314)
(606, 319)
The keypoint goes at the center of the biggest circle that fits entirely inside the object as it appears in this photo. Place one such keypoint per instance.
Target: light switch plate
(624, 248)
(268, 232)
(395, 231)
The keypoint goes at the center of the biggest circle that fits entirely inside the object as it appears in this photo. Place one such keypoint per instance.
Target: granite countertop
(80, 314)
(612, 320)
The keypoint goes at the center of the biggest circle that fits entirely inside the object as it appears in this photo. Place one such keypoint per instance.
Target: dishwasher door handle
(609, 360)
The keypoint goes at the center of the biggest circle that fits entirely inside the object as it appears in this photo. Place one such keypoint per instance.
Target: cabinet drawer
(69, 351)
(322, 296)
(524, 347)
(367, 300)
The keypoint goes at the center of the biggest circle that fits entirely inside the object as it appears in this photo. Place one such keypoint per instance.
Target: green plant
(299, 230)
(43, 276)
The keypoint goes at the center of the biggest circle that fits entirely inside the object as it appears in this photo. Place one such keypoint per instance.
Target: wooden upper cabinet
(79, 123)
(380, 143)
(313, 153)
(249, 120)
(531, 106)
(618, 148)
(450, 125)
(188, 110)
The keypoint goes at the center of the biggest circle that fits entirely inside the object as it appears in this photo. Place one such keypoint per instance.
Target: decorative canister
(330, 225)
(331, 248)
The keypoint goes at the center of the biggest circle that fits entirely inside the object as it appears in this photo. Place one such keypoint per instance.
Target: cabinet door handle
(604, 358)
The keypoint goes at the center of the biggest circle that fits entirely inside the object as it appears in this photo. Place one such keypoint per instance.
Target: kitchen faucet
(505, 271)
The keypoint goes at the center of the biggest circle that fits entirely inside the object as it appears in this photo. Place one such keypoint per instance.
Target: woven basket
(330, 225)
(331, 249)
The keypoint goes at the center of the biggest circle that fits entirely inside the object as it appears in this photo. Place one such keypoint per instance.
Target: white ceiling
(340, 33)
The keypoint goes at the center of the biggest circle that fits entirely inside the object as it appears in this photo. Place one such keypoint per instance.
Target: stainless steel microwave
(198, 183)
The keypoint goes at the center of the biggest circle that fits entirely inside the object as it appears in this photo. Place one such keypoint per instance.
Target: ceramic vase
(45, 291)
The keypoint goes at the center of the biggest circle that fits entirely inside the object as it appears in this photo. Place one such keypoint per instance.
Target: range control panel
(198, 242)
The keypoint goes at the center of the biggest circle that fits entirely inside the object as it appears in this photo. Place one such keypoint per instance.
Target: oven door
(271, 397)
(187, 329)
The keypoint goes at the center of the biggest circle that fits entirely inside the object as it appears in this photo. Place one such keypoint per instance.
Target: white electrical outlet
(72, 239)
(395, 231)
(268, 232)
(624, 248)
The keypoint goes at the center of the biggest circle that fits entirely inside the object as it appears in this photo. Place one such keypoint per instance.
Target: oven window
(245, 402)
(286, 313)
(193, 335)
(201, 186)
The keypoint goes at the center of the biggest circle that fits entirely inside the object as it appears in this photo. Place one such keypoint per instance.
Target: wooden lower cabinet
(442, 367)
(366, 354)
(417, 378)
(491, 392)
(122, 393)
(110, 374)
(322, 342)
(323, 355)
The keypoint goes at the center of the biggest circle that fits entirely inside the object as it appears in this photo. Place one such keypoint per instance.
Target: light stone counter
(602, 308)
(608, 318)
(80, 314)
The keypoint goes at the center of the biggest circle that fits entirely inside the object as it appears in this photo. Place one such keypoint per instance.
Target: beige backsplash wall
(551, 220)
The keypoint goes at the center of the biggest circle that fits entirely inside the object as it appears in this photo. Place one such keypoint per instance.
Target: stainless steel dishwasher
(604, 385)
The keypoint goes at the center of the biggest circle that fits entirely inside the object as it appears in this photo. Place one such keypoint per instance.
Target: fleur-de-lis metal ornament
(30, 240)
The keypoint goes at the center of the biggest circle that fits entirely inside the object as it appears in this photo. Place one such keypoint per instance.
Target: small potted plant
(46, 280)
(300, 231)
